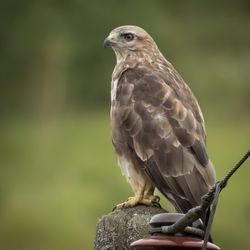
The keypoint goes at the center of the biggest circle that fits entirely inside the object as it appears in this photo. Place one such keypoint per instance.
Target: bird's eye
(128, 37)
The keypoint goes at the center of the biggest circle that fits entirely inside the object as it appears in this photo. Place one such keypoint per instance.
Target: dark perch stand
(120, 228)
(117, 230)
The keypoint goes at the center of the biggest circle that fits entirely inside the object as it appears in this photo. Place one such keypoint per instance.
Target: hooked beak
(110, 40)
(107, 42)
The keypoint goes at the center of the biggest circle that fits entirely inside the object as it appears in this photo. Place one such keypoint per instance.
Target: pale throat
(136, 55)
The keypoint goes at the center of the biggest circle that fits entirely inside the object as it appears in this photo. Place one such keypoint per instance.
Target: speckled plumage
(157, 125)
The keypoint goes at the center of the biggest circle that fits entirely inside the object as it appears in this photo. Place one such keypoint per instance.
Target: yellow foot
(148, 200)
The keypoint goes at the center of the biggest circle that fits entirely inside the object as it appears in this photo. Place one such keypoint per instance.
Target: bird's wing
(166, 135)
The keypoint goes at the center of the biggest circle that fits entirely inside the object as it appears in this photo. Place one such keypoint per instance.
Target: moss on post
(117, 230)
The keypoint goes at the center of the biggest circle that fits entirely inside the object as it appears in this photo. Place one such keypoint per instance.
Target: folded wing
(166, 131)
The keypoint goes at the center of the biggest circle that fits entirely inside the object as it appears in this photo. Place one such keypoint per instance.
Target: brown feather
(157, 122)
(164, 131)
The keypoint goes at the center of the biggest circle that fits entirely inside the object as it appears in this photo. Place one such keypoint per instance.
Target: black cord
(216, 190)
(211, 216)
(210, 199)
(223, 183)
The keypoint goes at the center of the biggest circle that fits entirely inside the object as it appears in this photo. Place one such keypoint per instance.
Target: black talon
(156, 204)
(157, 198)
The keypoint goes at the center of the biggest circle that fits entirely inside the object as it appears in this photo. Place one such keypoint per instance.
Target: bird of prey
(157, 126)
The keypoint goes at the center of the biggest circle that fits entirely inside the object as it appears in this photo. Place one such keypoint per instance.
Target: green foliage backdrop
(58, 170)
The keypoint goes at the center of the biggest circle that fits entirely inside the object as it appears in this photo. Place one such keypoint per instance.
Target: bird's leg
(150, 198)
(140, 199)
(132, 201)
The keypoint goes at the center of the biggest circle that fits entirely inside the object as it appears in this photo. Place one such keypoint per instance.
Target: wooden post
(128, 228)
(117, 230)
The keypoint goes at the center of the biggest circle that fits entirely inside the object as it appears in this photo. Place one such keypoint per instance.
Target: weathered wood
(117, 230)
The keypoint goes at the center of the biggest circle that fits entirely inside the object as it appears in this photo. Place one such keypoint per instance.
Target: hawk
(157, 126)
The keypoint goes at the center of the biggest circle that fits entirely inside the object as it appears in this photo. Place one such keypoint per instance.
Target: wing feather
(166, 131)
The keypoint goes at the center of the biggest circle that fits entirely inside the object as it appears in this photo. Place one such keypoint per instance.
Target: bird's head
(130, 40)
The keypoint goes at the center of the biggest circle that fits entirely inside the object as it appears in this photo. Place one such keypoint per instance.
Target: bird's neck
(138, 56)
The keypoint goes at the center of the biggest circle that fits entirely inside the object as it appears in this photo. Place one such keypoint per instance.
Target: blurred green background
(58, 169)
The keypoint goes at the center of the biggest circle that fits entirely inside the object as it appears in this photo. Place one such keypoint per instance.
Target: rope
(234, 169)
(211, 216)
(210, 199)
(216, 190)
